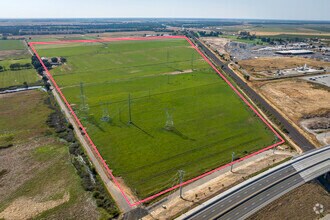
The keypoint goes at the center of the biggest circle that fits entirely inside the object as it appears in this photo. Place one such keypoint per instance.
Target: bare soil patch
(296, 98)
(217, 44)
(298, 204)
(179, 72)
(7, 54)
(276, 63)
(26, 208)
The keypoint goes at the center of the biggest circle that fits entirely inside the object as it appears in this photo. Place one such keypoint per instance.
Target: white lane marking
(213, 210)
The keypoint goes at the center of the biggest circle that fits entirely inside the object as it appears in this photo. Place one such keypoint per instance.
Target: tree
(40, 70)
(44, 78)
(54, 59)
(27, 66)
(63, 60)
(247, 77)
(47, 64)
(35, 62)
(15, 66)
(2, 69)
(47, 86)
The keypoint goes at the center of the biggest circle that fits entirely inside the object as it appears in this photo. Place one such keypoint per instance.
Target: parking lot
(320, 79)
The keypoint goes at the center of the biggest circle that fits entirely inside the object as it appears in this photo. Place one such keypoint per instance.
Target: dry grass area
(298, 204)
(9, 54)
(37, 179)
(49, 37)
(275, 63)
(274, 33)
(296, 97)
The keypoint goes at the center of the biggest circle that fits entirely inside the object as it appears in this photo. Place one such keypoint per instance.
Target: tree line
(16, 66)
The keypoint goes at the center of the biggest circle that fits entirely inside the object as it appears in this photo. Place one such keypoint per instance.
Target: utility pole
(83, 105)
(232, 160)
(129, 109)
(181, 174)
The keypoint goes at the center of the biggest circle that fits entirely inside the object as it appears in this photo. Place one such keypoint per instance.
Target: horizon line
(179, 18)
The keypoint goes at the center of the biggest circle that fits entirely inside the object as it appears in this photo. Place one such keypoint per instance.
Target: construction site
(297, 83)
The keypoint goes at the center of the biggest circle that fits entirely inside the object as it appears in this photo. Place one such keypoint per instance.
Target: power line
(129, 109)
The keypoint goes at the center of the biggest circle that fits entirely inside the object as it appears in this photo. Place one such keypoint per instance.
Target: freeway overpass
(250, 196)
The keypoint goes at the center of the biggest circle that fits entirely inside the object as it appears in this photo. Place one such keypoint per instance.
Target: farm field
(183, 115)
(282, 29)
(11, 45)
(16, 77)
(37, 179)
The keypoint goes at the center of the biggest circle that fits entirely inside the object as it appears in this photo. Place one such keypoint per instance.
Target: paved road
(293, 133)
(250, 196)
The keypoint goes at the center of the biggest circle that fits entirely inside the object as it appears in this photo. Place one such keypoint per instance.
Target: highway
(250, 196)
(293, 133)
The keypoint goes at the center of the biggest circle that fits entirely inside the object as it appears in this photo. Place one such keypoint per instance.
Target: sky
(254, 9)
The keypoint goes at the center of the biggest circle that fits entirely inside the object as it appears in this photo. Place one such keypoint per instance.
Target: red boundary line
(31, 44)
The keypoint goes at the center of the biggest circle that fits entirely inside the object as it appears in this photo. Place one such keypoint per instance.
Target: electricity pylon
(105, 113)
(169, 125)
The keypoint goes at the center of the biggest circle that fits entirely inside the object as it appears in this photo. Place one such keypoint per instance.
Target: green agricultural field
(17, 77)
(11, 45)
(247, 41)
(168, 83)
